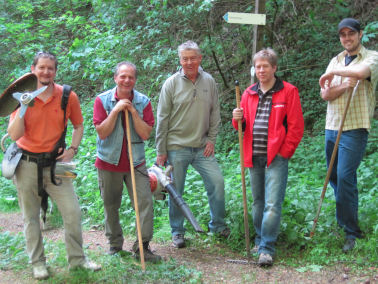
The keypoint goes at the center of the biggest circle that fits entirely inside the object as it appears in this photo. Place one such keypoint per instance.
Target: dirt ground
(215, 268)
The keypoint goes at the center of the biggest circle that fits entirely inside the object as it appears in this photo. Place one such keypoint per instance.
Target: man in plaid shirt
(354, 64)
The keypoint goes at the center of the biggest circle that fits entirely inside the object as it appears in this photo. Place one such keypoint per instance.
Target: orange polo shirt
(44, 121)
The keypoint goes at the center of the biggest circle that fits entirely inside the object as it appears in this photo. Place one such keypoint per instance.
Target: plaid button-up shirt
(362, 106)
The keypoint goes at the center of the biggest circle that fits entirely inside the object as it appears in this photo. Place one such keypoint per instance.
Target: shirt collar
(182, 74)
(278, 85)
(116, 98)
(54, 94)
(361, 52)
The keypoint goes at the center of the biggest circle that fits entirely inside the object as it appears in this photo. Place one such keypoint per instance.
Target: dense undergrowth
(90, 37)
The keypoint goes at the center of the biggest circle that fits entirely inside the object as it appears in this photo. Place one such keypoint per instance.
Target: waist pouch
(10, 161)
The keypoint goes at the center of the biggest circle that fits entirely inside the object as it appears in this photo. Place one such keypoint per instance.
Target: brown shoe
(225, 233)
(148, 254)
(178, 241)
(114, 250)
(265, 259)
(349, 245)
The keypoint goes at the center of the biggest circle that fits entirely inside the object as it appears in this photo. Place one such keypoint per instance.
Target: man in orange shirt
(37, 133)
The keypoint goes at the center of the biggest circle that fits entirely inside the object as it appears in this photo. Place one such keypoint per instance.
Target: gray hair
(126, 63)
(189, 45)
(267, 54)
(45, 54)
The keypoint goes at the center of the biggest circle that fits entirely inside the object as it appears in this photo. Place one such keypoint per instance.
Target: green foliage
(12, 254)
(370, 31)
(91, 36)
(8, 199)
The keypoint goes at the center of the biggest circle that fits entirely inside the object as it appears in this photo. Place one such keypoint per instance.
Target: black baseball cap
(351, 23)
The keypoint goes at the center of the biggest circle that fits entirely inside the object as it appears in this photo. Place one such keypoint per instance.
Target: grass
(12, 252)
(118, 269)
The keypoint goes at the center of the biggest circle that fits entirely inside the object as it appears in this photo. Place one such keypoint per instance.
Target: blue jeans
(268, 191)
(212, 177)
(343, 178)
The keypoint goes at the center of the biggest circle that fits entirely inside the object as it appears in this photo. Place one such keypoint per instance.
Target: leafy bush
(91, 36)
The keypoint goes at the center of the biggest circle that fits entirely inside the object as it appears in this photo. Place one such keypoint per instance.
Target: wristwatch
(74, 149)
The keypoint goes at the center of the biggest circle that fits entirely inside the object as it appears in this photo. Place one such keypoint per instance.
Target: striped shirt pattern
(260, 127)
(362, 106)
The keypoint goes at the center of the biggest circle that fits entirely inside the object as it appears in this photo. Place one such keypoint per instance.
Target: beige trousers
(26, 181)
(111, 187)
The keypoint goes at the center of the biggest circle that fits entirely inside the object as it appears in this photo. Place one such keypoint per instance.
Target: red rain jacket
(286, 125)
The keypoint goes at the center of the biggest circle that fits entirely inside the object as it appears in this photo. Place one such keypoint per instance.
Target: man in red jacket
(273, 125)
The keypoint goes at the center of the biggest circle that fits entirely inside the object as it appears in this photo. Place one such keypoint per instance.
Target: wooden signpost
(259, 18)
(244, 18)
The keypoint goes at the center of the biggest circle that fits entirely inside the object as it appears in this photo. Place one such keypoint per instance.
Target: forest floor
(227, 267)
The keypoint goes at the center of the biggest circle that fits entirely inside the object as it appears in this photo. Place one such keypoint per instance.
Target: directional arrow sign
(244, 18)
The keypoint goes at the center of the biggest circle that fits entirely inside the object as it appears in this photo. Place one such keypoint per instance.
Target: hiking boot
(255, 249)
(40, 272)
(178, 241)
(114, 250)
(265, 259)
(225, 233)
(349, 245)
(148, 254)
(88, 265)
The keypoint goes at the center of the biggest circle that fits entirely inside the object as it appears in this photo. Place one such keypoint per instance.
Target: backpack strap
(62, 140)
(66, 94)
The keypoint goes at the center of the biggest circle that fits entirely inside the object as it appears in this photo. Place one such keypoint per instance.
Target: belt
(39, 158)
